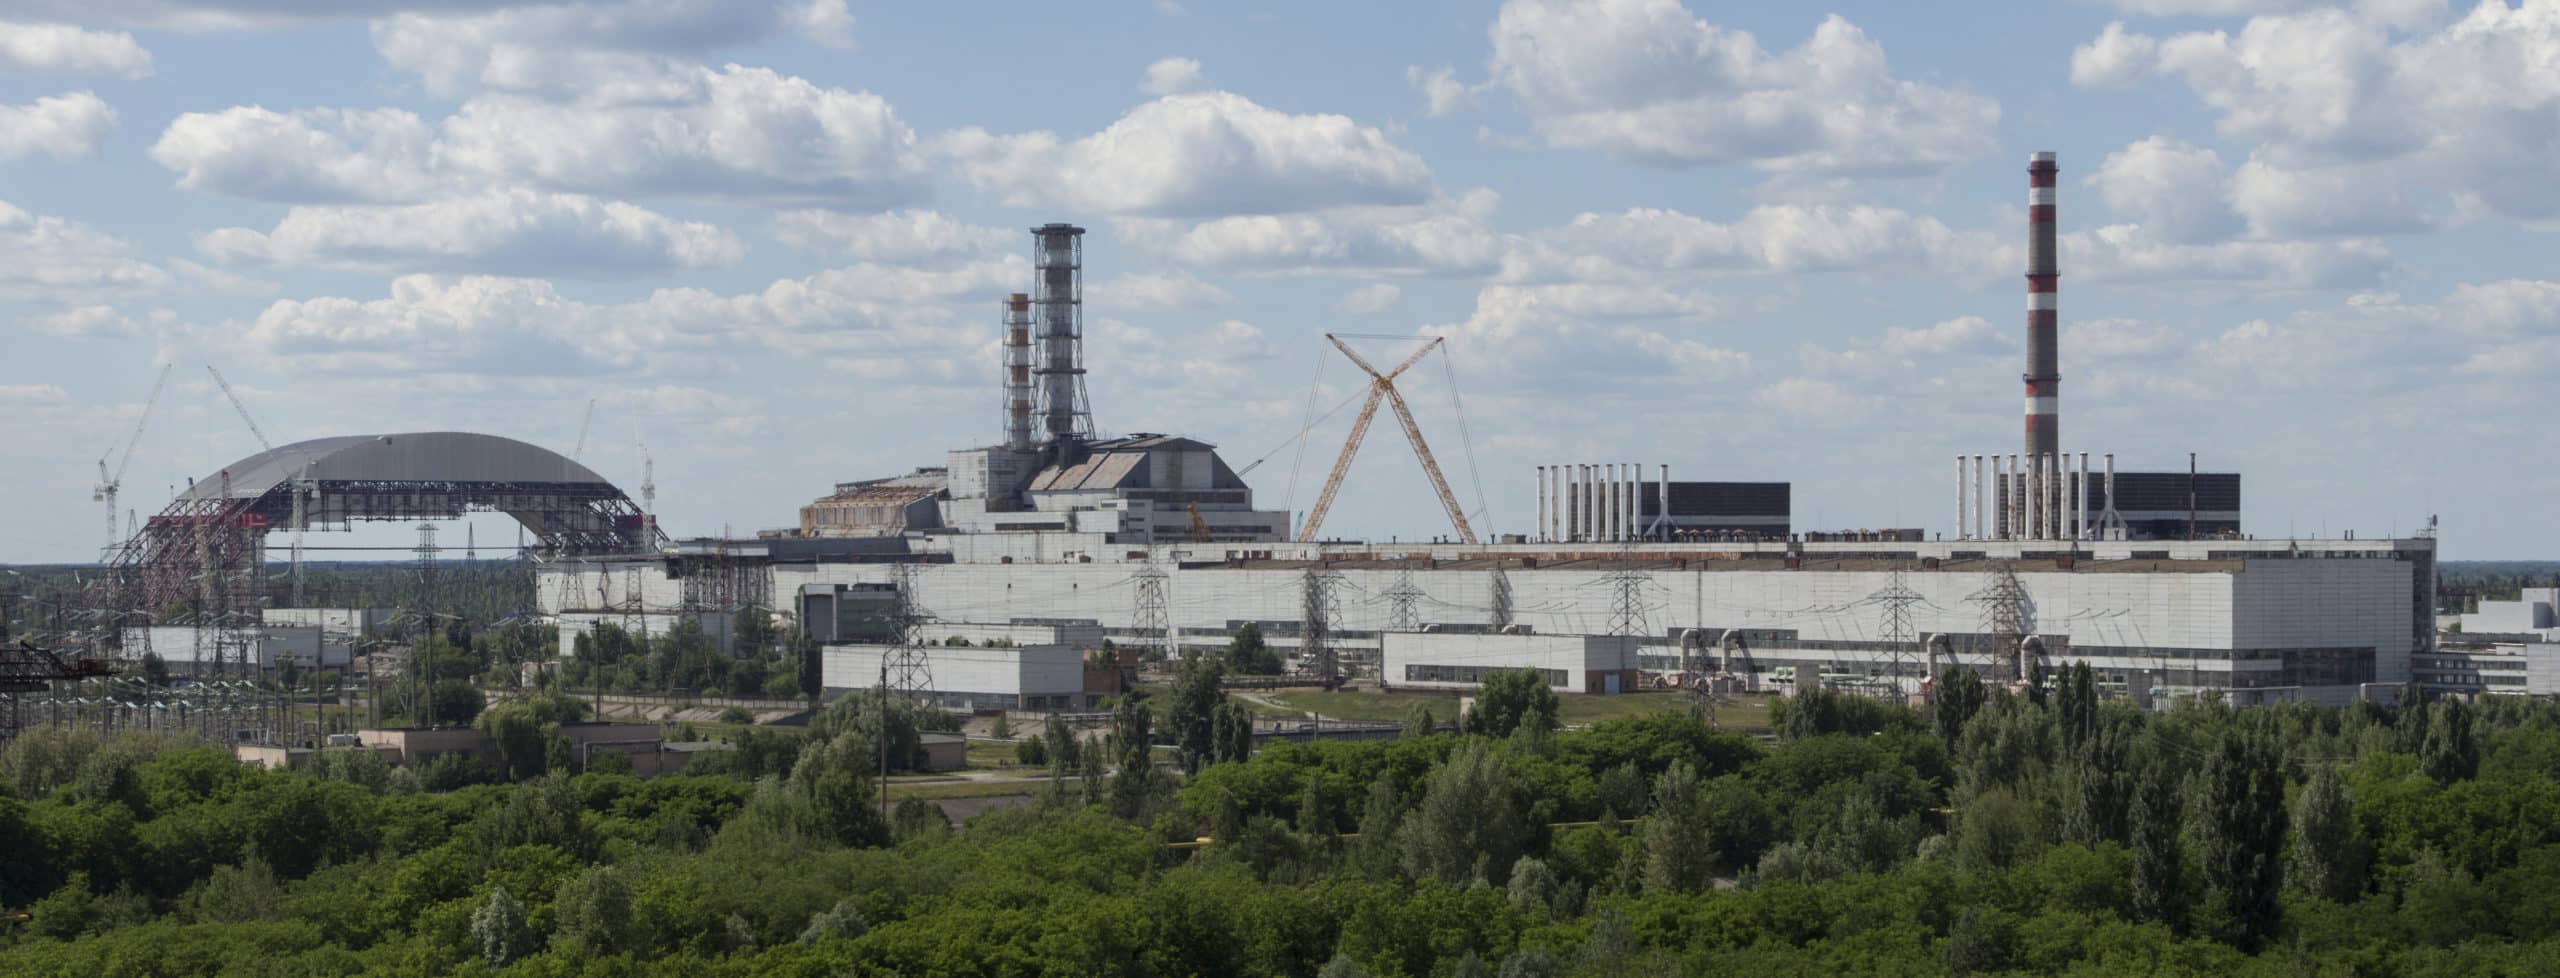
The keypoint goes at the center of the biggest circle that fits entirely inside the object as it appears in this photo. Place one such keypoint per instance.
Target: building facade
(2167, 618)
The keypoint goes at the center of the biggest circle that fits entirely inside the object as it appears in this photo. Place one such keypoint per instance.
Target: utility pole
(883, 737)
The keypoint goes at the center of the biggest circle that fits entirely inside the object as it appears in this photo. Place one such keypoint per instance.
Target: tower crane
(1382, 387)
(110, 481)
(579, 453)
(648, 481)
(234, 397)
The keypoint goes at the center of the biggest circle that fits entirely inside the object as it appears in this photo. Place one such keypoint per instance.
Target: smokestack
(1960, 490)
(1017, 372)
(1663, 503)
(2044, 372)
(1057, 259)
(1542, 504)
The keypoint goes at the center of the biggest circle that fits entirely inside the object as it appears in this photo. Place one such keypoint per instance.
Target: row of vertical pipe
(1597, 503)
(2028, 497)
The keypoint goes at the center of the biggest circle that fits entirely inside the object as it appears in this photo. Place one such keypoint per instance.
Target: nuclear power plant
(1627, 579)
(1050, 539)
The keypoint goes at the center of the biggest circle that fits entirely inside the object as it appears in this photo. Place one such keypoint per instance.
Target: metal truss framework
(203, 555)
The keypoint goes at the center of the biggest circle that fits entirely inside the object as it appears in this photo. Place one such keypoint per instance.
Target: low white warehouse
(1571, 663)
(1047, 676)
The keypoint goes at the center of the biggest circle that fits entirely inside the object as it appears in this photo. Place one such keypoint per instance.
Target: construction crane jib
(111, 482)
(1382, 387)
(242, 408)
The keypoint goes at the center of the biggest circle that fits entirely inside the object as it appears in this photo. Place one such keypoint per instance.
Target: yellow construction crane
(1382, 387)
(1199, 527)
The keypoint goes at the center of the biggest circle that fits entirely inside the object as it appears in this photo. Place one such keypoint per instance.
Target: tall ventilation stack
(1057, 259)
(1017, 372)
(2044, 372)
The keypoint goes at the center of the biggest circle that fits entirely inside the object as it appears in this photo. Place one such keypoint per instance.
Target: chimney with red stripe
(2044, 373)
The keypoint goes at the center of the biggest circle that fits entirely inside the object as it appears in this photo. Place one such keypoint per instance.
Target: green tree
(594, 914)
(2078, 702)
(2159, 858)
(2328, 851)
(810, 659)
(2449, 753)
(833, 781)
(236, 894)
(1959, 693)
(2240, 824)
(454, 703)
(1191, 710)
(1679, 855)
(1533, 886)
(1510, 699)
(1418, 721)
(1249, 654)
(498, 928)
(1134, 780)
(1470, 824)
(1231, 733)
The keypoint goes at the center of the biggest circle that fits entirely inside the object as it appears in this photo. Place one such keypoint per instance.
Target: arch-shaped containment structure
(204, 549)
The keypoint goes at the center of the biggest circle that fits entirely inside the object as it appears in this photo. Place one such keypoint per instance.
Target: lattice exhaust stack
(1057, 257)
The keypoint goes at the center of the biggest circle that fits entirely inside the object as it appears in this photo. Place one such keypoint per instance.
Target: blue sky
(1751, 241)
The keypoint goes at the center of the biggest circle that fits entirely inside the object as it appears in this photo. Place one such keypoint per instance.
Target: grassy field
(1742, 713)
(949, 789)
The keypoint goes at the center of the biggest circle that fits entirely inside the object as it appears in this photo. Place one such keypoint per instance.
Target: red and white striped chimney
(2044, 372)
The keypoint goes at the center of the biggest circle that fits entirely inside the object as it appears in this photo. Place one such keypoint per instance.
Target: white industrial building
(2534, 616)
(191, 650)
(1457, 660)
(2493, 668)
(2313, 618)
(1002, 667)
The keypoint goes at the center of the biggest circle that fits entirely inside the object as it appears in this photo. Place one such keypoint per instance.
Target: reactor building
(1625, 580)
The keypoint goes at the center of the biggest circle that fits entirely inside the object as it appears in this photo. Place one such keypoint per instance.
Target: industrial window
(1470, 674)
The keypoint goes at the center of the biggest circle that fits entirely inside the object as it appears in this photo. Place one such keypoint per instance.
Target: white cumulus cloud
(2383, 117)
(1197, 155)
(65, 127)
(1370, 298)
(1446, 237)
(1649, 82)
(305, 155)
(50, 259)
(517, 232)
(1174, 76)
(1770, 238)
(744, 133)
(904, 237)
(66, 49)
(591, 51)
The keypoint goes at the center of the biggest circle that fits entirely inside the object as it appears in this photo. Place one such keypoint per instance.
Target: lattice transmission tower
(1154, 623)
(1896, 599)
(909, 668)
(1317, 608)
(2004, 618)
(1403, 599)
(1627, 585)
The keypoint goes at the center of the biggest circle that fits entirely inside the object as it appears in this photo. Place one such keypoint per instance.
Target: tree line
(2030, 831)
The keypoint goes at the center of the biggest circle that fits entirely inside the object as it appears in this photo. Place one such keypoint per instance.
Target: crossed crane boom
(1382, 387)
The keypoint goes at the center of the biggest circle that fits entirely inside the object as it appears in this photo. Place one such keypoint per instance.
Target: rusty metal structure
(202, 557)
(1382, 387)
(26, 668)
